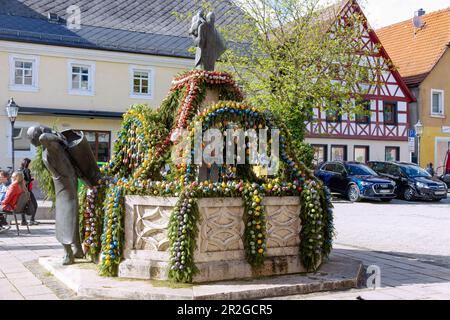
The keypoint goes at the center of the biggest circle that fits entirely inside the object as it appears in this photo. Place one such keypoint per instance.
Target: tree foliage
(294, 55)
(43, 177)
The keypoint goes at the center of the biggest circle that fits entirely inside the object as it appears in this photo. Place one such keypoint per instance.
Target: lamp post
(419, 132)
(12, 109)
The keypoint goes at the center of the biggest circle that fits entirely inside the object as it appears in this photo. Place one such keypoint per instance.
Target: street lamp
(419, 132)
(12, 109)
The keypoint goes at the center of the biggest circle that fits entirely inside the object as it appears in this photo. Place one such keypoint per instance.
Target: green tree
(294, 55)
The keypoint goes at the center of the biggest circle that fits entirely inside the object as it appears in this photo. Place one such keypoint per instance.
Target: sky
(381, 13)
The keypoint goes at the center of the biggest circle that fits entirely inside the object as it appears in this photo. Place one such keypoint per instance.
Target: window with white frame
(23, 73)
(81, 77)
(141, 82)
(437, 102)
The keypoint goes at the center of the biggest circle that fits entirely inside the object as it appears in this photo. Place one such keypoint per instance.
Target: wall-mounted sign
(411, 144)
(411, 140)
(445, 129)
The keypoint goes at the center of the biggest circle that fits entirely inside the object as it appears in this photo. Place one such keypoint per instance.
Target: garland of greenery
(182, 234)
(43, 177)
(311, 234)
(328, 221)
(113, 233)
(255, 222)
(91, 218)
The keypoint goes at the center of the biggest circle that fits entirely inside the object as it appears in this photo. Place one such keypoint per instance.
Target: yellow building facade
(76, 88)
(435, 114)
(421, 52)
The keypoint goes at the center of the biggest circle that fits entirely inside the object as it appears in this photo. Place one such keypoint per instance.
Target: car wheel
(353, 193)
(408, 194)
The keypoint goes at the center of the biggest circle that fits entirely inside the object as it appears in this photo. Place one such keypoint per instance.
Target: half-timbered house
(381, 133)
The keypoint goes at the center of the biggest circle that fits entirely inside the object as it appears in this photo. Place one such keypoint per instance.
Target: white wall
(376, 147)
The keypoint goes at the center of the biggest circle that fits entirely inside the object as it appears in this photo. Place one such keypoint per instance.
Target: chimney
(421, 12)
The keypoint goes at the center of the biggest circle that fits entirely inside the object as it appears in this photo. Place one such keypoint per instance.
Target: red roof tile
(416, 51)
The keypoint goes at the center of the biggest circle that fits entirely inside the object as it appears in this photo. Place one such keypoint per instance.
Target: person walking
(430, 169)
(25, 169)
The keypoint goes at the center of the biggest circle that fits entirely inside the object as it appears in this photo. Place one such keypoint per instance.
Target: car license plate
(385, 191)
(440, 193)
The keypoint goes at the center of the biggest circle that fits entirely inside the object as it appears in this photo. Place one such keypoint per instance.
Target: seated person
(4, 184)
(16, 188)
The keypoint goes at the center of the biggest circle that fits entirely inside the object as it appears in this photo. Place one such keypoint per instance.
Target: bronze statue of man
(207, 39)
(65, 171)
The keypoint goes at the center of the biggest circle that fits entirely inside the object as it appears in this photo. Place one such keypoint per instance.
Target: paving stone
(27, 290)
(8, 291)
(410, 247)
(28, 281)
(42, 297)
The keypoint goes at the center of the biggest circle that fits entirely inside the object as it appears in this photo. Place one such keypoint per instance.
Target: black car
(446, 179)
(412, 181)
(355, 180)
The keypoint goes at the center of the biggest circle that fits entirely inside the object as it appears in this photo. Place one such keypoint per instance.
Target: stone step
(45, 211)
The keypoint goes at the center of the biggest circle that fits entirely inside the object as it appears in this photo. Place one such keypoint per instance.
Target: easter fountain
(169, 224)
(157, 214)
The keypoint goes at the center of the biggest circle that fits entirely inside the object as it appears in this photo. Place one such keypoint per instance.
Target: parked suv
(356, 181)
(412, 181)
(446, 179)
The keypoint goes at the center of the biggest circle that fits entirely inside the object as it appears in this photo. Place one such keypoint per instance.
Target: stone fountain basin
(220, 251)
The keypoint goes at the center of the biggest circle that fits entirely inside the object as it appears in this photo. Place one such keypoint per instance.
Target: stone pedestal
(211, 98)
(220, 251)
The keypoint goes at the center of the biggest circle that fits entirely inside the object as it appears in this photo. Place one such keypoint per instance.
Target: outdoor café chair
(20, 209)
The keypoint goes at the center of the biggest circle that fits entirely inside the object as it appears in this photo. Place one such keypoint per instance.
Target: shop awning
(69, 113)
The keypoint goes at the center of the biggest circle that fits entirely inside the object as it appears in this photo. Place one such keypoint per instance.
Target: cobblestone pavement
(408, 241)
(20, 275)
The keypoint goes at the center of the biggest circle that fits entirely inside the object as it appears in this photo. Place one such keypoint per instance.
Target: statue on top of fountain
(210, 44)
